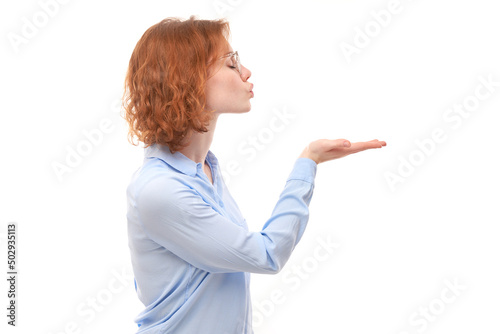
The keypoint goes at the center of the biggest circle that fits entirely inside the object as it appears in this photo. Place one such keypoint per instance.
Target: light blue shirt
(191, 250)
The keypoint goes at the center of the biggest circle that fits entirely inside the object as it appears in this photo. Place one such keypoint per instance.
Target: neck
(199, 143)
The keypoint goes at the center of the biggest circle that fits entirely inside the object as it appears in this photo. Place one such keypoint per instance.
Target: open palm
(322, 150)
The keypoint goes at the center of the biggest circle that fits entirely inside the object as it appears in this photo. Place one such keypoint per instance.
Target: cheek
(214, 95)
(224, 91)
(221, 89)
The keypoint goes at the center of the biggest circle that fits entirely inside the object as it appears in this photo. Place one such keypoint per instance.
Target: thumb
(343, 143)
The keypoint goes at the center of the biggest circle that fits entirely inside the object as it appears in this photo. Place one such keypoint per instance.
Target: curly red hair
(164, 98)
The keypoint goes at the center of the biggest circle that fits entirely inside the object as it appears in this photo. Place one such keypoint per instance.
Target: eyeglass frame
(236, 60)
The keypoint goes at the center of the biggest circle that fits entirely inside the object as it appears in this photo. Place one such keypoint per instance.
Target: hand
(329, 149)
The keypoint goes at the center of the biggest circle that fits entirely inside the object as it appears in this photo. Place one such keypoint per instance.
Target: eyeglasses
(235, 59)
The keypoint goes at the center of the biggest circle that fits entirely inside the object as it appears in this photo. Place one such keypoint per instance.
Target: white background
(398, 247)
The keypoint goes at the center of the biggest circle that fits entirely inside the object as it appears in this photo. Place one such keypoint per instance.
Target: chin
(243, 110)
(240, 109)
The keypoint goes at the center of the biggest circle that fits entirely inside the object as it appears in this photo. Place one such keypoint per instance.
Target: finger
(362, 146)
(383, 143)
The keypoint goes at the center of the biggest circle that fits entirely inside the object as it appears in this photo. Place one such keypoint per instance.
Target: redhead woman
(191, 250)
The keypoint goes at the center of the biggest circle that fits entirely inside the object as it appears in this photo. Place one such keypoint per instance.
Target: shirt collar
(178, 160)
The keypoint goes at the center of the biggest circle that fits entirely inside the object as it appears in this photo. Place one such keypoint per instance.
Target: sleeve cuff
(304, 169)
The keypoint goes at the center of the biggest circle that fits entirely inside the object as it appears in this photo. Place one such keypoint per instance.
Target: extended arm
(176, 217)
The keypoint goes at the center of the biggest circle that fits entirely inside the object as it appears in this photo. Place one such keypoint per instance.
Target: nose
(245, 73)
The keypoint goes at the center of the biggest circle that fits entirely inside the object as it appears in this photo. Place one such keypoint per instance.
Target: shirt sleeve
(178, 218)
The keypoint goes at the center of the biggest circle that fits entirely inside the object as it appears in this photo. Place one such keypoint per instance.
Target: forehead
(224, 52)
(228, 52)
(228, 49)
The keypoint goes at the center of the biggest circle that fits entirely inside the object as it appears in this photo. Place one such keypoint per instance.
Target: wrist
(306, 153)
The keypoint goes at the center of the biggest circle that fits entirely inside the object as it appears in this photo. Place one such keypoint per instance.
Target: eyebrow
(225, 56)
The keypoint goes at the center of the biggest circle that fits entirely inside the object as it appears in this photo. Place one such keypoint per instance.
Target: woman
(191, 251)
